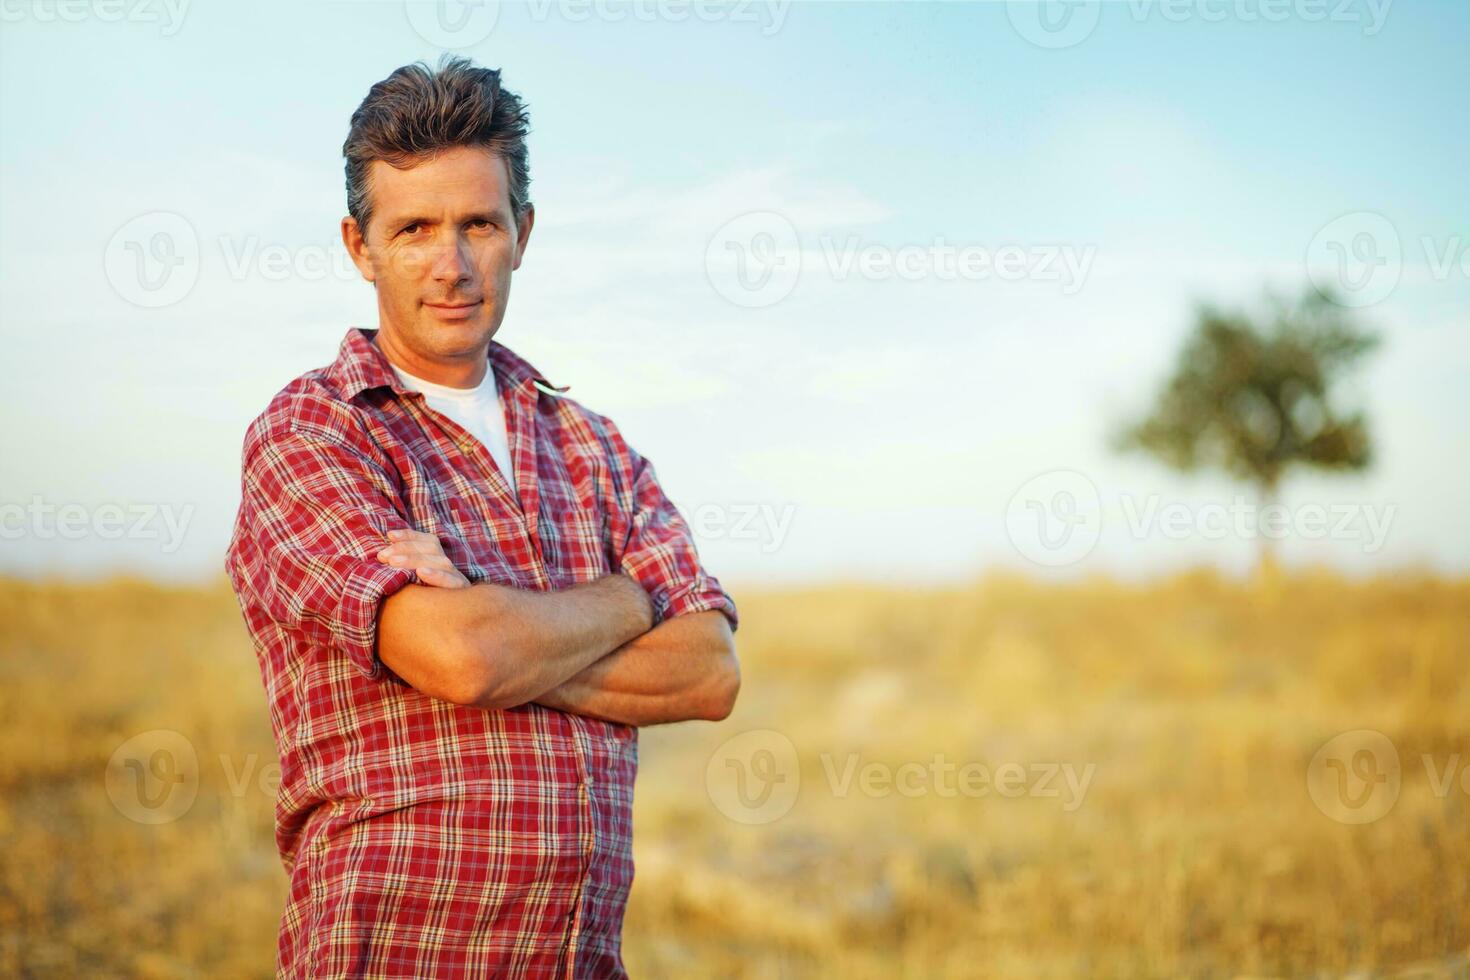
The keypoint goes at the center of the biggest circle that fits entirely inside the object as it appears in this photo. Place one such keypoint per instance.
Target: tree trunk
(1268, 568)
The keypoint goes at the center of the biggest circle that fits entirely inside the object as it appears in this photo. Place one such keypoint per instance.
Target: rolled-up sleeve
(314, 512)
(659, 551)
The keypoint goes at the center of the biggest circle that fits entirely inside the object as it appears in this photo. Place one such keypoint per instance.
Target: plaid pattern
(424, 838)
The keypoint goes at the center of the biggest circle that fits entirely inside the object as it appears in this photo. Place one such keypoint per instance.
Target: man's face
(440, 248)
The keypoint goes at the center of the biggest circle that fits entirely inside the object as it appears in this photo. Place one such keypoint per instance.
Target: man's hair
(418, 111)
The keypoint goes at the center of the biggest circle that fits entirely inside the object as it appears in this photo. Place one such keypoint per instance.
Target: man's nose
(450, 263)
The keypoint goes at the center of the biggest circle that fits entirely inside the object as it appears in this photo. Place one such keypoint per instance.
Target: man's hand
(425, 555)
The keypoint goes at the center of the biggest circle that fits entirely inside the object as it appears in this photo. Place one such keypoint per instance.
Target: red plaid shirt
(424, 838)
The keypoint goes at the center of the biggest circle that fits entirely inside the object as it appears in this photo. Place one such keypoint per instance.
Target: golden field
(1195, 704)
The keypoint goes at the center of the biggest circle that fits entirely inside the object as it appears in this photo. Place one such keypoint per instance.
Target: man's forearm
(532, 641)
(684, 669)
(493, 646)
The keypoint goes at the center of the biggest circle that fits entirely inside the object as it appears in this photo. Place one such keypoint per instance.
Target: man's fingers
(400, 559)
(421, 548)
(405, 536)
(450, 579)
(424, 554)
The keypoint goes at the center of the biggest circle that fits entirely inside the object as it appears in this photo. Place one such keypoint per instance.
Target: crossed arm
(587, 650)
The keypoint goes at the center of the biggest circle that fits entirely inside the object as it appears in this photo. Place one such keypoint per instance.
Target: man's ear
(523, 234)
(357, 248)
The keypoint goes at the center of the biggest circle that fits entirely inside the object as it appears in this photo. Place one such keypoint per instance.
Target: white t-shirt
(478, 410)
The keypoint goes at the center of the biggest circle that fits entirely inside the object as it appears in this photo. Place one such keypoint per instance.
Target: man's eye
(480, 223)
(409, 229)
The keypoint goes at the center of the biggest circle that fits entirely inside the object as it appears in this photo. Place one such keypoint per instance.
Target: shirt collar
(360, 366)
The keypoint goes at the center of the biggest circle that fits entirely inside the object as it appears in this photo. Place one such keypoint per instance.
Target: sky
(870, 283)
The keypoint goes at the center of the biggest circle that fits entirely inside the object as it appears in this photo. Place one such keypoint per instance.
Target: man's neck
(465, 372)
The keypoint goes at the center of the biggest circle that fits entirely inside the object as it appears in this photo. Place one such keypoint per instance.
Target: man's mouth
(454, 310)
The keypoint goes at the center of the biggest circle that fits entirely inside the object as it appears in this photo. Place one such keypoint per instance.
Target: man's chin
(456, 336)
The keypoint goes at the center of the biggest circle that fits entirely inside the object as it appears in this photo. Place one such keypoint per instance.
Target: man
(466, 591)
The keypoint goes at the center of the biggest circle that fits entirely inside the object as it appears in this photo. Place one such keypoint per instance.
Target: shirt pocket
(574, 522)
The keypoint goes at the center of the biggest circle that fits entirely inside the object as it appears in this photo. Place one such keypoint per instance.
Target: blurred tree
(1252, 397)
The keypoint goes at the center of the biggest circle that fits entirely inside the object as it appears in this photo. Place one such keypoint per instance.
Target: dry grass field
(1176, 835)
